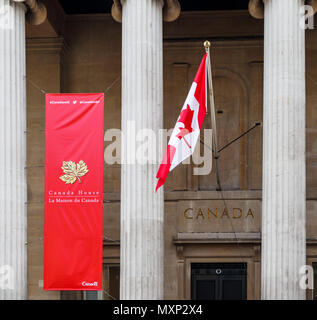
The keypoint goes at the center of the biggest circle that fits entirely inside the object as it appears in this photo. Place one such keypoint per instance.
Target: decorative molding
(183, 238)
(216, 43)
(311, 241)
(217, 237)
(183, 15)
(89, 17)
(46, 45)
(109, 243)
(110, 197)
(257, 253)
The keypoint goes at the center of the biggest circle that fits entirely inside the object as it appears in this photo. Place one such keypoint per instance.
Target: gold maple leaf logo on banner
(73, 171)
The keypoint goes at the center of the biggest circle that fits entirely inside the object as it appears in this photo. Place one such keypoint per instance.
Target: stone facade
(199, 224)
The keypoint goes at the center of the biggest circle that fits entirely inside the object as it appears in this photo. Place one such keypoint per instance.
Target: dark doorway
(218, 281)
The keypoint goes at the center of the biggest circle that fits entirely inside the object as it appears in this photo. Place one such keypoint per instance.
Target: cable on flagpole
(214, 135)
(212, 111)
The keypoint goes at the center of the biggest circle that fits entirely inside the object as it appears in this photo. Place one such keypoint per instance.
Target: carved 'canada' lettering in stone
(224, 213)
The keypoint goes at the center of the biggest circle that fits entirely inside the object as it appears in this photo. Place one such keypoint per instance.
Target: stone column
(142, 210)
(13, 185)
(13, 249)
(284, 176)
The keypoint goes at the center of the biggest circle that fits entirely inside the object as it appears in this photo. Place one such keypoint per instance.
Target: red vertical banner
(73, 230)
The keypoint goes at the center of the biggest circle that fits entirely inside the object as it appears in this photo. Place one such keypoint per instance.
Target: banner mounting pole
(212, 111)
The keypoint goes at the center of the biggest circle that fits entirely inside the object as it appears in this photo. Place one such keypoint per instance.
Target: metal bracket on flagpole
(239, 137)
(212, 111)
(234, 140)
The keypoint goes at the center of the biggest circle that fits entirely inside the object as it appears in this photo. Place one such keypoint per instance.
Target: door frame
(218, 278)
(247, 260)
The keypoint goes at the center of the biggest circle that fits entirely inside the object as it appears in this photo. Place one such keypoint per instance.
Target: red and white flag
(186, 132)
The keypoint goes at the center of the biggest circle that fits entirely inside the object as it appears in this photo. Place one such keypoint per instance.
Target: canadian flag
(187, 129)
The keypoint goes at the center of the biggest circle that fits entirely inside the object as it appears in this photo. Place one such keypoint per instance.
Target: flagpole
(212, 111)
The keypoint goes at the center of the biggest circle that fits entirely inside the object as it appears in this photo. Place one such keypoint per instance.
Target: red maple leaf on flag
(186, 117)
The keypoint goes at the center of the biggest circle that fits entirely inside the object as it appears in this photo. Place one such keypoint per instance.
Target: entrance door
(218, 281)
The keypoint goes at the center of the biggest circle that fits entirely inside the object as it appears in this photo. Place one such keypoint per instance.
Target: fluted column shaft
(13, 253)
(284, 177)
(142, 212)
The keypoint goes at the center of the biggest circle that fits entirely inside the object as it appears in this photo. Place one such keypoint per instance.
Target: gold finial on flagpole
(207, 45)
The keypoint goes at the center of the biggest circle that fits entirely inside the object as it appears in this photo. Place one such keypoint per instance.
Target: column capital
(256, 7)
(171, 10)
(36, 11)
